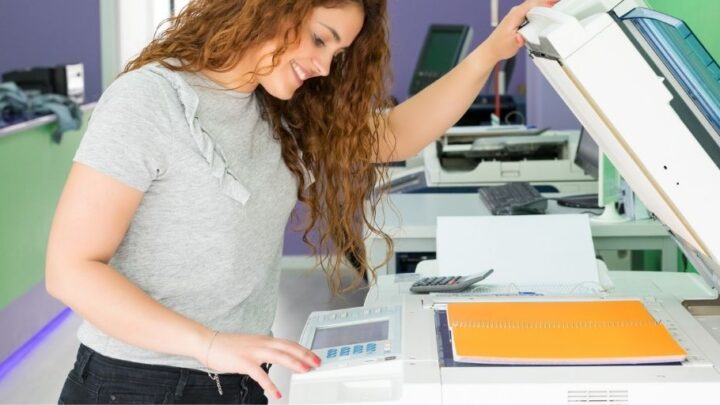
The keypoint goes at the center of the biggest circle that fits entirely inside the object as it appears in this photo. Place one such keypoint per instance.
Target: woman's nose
(322, 64)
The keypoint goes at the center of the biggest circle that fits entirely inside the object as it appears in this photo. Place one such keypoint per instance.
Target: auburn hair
(330, 128)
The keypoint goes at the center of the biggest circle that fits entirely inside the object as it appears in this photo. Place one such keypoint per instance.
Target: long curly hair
(330, 128)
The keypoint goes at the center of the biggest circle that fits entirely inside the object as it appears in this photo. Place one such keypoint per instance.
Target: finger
(518, 13)
(516, 16)
(527, 5)
(282, 358)
(297, 350)
(264, 381)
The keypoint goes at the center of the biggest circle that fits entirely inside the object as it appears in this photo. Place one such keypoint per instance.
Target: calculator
(447, 284)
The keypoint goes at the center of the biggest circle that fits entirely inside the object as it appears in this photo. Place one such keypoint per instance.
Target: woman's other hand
(244, 354)
(505, 41)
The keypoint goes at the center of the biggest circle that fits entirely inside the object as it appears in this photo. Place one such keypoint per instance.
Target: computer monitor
(444, 47)
(586, 155)
(587, 158)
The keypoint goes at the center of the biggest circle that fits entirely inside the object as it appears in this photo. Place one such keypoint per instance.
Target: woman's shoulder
(139, 85)
(140, 92)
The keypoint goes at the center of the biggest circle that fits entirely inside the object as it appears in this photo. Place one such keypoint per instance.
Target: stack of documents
(559, 333)
(543, 254)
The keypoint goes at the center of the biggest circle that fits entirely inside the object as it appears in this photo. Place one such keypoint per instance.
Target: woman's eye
(318, 41)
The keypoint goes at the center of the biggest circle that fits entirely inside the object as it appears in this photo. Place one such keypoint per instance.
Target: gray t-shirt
(207, 238)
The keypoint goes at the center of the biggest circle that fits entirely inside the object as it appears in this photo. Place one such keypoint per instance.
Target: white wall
(127, 26)
(138, 21)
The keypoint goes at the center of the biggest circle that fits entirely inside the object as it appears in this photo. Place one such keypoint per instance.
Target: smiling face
(323, 36)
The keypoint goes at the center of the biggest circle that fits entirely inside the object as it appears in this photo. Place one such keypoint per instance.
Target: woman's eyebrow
(334, 33)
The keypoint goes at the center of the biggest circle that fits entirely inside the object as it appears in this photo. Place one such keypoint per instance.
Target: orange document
(562, 332)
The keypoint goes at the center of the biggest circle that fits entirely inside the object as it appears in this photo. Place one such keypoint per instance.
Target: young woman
(168, 234)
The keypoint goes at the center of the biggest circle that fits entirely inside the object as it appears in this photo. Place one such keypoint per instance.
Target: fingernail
(278, 395)
(317, 360)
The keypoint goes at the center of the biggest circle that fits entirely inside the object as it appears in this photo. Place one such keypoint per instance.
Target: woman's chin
(283, 92)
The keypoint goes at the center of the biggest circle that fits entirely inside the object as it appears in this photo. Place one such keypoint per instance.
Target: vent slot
(598, 397)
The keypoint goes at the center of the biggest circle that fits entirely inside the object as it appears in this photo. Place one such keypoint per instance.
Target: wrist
(199, 340)
(484, 58)
(209, 349)
(491, 51)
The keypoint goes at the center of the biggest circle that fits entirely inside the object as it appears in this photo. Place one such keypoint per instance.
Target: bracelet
(207, 354)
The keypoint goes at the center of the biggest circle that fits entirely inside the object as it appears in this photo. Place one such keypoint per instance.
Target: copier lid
(648, 92)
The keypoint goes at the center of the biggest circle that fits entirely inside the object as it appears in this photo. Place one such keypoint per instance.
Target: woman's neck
(237, 78)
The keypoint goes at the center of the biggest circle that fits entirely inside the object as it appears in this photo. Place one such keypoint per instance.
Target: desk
(410, 219)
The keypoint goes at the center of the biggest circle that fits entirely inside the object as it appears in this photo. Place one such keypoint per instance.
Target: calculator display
(350, 334)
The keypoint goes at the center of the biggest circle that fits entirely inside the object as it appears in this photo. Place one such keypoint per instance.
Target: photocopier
(486, 156)
(648, 92)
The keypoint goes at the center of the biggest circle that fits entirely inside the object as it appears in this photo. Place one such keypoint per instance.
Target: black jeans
(97, 379)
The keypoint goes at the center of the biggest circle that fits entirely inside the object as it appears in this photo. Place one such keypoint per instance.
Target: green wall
(32, 173)
(702, 17)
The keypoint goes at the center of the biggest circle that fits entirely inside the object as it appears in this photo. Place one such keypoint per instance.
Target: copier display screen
(350, 334)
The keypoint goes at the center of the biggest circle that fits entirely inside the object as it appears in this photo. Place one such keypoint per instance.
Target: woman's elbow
(52, 285)
(57, 273)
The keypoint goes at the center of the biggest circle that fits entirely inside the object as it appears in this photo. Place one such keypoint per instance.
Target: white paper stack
(546, 254)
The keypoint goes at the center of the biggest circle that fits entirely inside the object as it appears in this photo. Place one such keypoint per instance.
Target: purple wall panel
(545, 108)
(51, 32)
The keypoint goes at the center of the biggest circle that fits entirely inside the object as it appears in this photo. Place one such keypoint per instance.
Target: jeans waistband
(85, 354)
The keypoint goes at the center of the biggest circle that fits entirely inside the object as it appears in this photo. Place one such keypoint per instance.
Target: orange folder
(567, 332)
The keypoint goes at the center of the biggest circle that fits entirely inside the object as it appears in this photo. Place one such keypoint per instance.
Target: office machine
(354, 336)
(649, 94)
(445, 46)
(466, 157)
(66, 80)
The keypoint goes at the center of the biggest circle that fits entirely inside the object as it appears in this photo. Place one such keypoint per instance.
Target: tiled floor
(40, 376)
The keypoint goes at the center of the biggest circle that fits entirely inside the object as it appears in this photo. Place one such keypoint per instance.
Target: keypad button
(331, 353)
(357, 349)
(371, 347)
(345, 351)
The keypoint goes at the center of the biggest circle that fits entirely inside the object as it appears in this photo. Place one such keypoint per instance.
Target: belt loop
(182, 381)
(244, 388)
(84, 355)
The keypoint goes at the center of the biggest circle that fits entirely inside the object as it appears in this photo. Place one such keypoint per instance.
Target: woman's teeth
(298, 70)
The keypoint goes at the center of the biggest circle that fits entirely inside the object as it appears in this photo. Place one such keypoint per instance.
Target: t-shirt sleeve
(128, 136)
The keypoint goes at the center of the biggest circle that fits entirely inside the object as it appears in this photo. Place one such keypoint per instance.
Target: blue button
(371, 347)
(357, 349)
(331, 353)
(345, 351)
